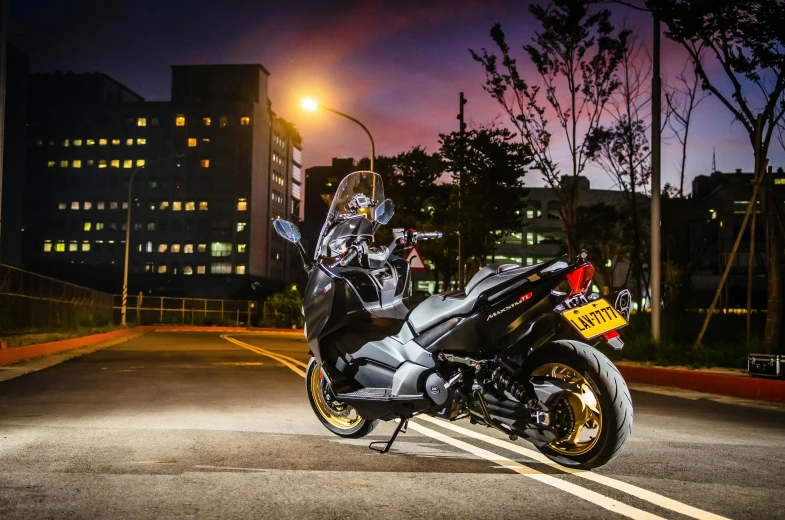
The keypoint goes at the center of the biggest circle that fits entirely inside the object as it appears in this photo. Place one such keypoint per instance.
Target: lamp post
(123, 310)
(312, 105)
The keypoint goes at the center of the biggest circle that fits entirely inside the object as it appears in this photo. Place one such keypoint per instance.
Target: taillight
(580, 279)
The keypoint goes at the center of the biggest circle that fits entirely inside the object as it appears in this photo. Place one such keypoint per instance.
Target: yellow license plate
(594, 318)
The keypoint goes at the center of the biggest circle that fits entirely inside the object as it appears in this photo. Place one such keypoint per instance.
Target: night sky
(396, 66)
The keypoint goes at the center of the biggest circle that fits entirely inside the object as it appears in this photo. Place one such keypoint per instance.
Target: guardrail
(148, 310)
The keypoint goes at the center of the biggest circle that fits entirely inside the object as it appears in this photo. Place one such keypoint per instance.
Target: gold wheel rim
(584, 407)
(345, 419)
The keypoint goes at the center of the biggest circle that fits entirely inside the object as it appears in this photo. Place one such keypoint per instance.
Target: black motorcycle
(508, 352)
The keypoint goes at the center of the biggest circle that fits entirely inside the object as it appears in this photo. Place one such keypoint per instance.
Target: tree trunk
(772, 332)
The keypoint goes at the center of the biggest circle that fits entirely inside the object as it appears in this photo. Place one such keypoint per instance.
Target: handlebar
(350, 255)
(428, 235)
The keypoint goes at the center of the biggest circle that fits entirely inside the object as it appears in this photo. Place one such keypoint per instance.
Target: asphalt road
(193, 425)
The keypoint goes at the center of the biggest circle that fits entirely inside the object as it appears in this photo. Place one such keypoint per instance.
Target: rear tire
(342, 420)
(612, 397)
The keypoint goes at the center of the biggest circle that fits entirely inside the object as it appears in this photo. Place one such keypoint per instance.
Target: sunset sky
(396, 66)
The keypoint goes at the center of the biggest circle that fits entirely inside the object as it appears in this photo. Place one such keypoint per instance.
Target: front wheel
(339, 418)
(594, 419)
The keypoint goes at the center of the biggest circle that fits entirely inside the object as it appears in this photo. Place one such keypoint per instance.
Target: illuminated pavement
(191, 425)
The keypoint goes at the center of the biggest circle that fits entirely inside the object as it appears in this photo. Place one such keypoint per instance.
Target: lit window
(142, 121)
(125, 205)
(151, 226)
(74, 205)
(91, 142)
(141, 140)
(222, 121)
(188, 249)
(177, 205)
(245, 121)
(112, 205)
(65, 143)
(88, 226)
(191, 142)
(60, 246)
(188, 269)
(179, 121)
(221, 249)
(175, 248)
(205, 163)
(161, 268)
(100, 205)
(103, 142)
(190, 206)
(221, 268)
(99, 226)
(90, 162)
(241, 248)
(63, 164)
(61, 205)
(241, 226)
(50, 164)
(203, 206)
(200, 269)
(47, 246)
(148, 247)
(102, 163)
(202, 248)
(77, 163)
(164, 205)
(87, 205)
(242, 204)
(86, 245)
(128, 163)
(780, 180)
(240, 269)
(140, 162)
(129, 141)
(77, 142)
(115, 163)
(162, 248)
(73, 246)
(116, 142)
(206, 121)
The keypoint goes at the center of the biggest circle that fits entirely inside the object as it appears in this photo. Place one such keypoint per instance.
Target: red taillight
(580, 279)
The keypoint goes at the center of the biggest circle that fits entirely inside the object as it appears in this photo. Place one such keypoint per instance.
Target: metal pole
(373, 148)
(3, 76)
(750, 261)
(656, 110)
(462, 130)
(124, 308)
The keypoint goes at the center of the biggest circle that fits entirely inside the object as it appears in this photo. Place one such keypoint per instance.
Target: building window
(222, 121)
(242, 204)
(74, 205)
(125, 205)
(190, 206)
(175, 248)
(60, 246)
(148, 247)
(780, 180)
(154, 121)
(241, 248)
(203, 206)
(115, 163)
(116, 142)
(73, 246)
(205, 163)
(87, 226)
(47, 246)
(128, 163)
(161, 268)
(86, 245)
(139, 163)
(179, 120)
(151, 226)
(200, 269)
(88, 205)
(188, 269)
(50, 164)
(100, 205)
(221, 249)
(241, 226)
(162, 248)
(112, 205)
(63, 164)
(202, 248)
(142, 121)
(65, 143)
(191, 142)
(206, 121)
(245, 121)
(102, 163)
(221, 268)
(240, 269)
(99, 226)
(77, 142)
(141, 140)
(90, 162)
(164, 205)
(61, 205)
(77, 163)
(177, 205)
(296, 191)
(188, 249)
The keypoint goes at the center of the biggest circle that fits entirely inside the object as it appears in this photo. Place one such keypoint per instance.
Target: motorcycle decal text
(526, 296)
(510, 306)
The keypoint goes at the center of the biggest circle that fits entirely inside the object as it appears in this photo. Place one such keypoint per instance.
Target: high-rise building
(211, 170)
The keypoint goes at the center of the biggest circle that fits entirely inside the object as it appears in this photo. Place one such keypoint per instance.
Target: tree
(491, 163)
(745, 38)
(602, 229)
(575, 55)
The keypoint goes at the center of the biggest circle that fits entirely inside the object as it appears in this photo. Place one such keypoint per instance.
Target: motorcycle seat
(441, 307)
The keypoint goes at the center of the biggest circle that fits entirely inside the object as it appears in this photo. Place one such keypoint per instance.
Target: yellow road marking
(284, 360)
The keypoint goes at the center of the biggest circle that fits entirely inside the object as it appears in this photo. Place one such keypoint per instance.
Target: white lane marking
(643, 494)
(568, 487)
(284, 360)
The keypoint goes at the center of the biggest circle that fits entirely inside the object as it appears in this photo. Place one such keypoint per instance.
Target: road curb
(741, 385)
(15, 354)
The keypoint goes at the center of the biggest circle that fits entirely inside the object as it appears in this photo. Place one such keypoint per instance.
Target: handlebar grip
(429, 235)
(350, 255)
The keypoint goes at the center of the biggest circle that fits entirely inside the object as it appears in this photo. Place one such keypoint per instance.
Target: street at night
(218, 425)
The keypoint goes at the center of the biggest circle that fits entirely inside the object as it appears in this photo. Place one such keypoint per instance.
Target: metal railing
(30, 301)
(155, 310)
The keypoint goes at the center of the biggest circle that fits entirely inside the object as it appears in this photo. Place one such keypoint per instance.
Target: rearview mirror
(384, 212)
(287, 230)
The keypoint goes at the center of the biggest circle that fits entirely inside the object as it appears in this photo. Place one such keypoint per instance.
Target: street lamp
(312, 105)
(128, 234)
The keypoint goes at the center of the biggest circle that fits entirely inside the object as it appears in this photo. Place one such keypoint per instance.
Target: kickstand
(401, 428)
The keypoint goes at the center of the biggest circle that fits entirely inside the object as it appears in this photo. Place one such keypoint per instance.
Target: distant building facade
(212, 169)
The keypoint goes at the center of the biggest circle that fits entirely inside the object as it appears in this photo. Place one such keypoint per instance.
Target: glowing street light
(312, 105)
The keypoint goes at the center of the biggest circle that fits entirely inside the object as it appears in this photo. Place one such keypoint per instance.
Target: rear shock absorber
(502, 376)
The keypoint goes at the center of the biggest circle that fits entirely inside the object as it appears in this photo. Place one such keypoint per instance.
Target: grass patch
(33, 338)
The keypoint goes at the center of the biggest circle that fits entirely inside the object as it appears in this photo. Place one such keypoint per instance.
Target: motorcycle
(509, 351)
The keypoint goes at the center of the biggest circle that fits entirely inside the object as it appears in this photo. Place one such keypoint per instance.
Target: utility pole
(3, 63)
(462, 127)
(656, 130)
